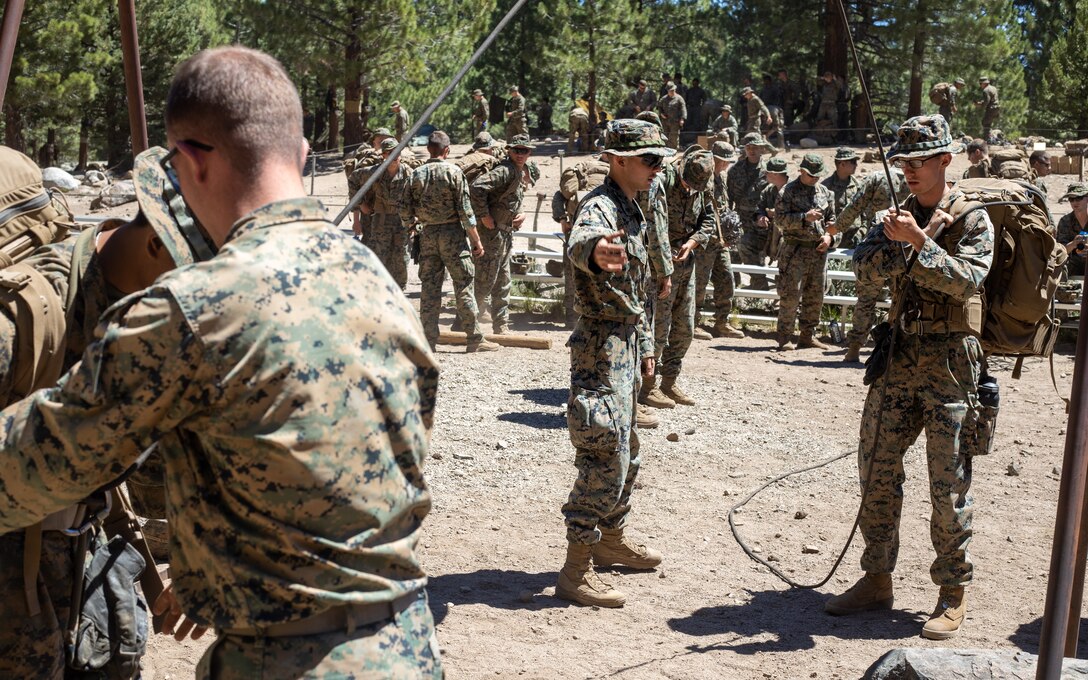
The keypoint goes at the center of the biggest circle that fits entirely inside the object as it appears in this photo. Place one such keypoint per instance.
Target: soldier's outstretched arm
(138, 380)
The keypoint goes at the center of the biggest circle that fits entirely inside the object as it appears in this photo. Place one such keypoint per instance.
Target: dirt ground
(502, 464)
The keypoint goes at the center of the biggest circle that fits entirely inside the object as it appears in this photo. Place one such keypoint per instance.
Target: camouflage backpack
(1010, 163)
(578, 180)
(939, 94)
(475, 164)
(1027, 264)
(29, 218)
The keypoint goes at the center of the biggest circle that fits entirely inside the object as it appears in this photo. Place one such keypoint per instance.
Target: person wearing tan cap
(712, 264)
(1072, 231)
(480, 112)
(724, 127)
(674, 112)
(515, 114)
(990, 105)
(401, 121)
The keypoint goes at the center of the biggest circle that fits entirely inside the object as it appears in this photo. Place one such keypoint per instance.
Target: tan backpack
(475, 164)
(939, 93)
(1010, 163)
(1027, 264)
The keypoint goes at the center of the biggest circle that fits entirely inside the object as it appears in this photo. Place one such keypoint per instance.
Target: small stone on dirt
(1013, 470)
(689, 431)
(461, 456)
(800, 514)
(672, 437)
(502, 444)
(810, 550)
(525, 596)
(436, 455)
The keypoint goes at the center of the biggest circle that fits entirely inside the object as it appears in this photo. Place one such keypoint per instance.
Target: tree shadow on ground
(1027, 636)
(792, 618)
(832, 360)
(498, 588)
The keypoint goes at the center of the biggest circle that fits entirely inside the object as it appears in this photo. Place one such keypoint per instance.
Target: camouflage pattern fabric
(491, 287)
(268, 528)
(725, 129)
(673, 110)
(713, 264)
(499, 193)
(401, 123)
(829, 100)
(578, 129)
(384, 233)
(744, 185)
(932, 386)
(991, 110)
(642, 101)
(758, 114)
(864, 314)
(844, 190)
(802, 269)
(609, 341)
(516, 124)
(437, 193)
(480, 113)
(653, 206)
(946, 108)
(871, 197)
(445, 248)
(1067, 230)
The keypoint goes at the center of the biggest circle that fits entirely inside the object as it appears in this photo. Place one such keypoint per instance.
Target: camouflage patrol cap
(440, 138)
(166, 211)
(381, 132)
(671, 87)
(477, 92)
(984, 79)
(756, 139)
(813, 164)
(388, 145)
(630, 137)
(723, 151)
(727, 107)
(845, 153)
(521, 142)
(484, 140)
(513, 88)
(777, 166)
(1076, 190)
(959, 82)
(395, 104)
(642, 83)
(923, 136)
(697, 169)
(650, 116)
(747, 90)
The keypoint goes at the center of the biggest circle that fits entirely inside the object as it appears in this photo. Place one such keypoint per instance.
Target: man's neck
(932, 198)
(628, 188)
(843, 177)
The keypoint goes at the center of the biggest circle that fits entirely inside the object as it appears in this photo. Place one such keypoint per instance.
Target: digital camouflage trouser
(932, 386)
(401, 648)
(388, 239)
(802, 272)
(672, 136)
(492, 287)
(869, 294)
(753, 248)
(443, 247)
(674, 320)
(712, 264)
(604, 380)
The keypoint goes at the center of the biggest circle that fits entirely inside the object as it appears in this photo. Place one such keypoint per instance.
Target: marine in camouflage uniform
(674, 111)
(496, 198)
(830, 90)
(1069, 228)
(853, 222)
(642, 98)
(991, 107)
(385, 235)
(712, 263)
(948, 107)
(515, 112)
(436, 199)
(578, 127)
(401, 122)
(931, 383)
(610, 346)
(804, 210)
(574, 184)
(743, 185)
(480, 112)
(724, 127)
(776, 174)
(759, 115)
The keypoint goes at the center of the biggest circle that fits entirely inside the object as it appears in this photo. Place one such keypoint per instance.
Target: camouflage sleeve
(7, 356)
(789, 214)
(408, 199)
(856, 206)
(733, 189)
(958, 276)
(876, 258)
(683, 109)
(657, 236)
(707, 228)
(141, 377)
(591, 224)
(480, 190)
(462, 202)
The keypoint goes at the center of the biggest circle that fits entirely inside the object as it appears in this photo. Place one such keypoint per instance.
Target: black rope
(377, 173)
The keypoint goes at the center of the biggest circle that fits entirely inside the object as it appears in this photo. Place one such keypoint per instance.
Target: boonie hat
(631, 137)
(650, 116)
(777, 166)
(923, 136)
(959, 81)
(746, 90)
(642, 83)
(440, 138)
(723, 151)
(813, 164)
(756, 139)
(1075, 190)
(697, 169)
(167, 212)
(513, 88)
(727, 107)
(671, 86)
(388, 145)
(477, 92)
(984, 79)
(395, 104)
(521, 142)
(484, 140)
(381, 132)
(845, 153)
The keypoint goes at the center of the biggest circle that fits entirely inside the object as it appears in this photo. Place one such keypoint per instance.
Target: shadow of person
(545, 396)
(1027, 636)
(498, 588)
(786, 621)
(833, 360)
(536, 420)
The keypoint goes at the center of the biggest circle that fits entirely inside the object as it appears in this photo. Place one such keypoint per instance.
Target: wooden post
(134, 83)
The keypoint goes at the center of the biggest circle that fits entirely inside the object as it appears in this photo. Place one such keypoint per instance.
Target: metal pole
(313, 170)
(1076, 599)
(134, 84)
(1067, 525)
(9, 34)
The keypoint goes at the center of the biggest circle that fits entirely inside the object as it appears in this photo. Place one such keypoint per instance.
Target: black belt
(344, 618)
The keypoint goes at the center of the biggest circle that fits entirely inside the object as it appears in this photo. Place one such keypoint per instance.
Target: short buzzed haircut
(976, 145)
(239, 100)
(1038, 157)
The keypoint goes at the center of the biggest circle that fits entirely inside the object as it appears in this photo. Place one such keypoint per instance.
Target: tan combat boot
(615, 548)
(481, 346)
(501, 330)
(700, 333)
(579, 583)
(853, 354)
(785, 344)
(809, 340)
(644, 418)
(670, 390)
(652, 396)
(723, 329)
(872, 591)
(948, 616)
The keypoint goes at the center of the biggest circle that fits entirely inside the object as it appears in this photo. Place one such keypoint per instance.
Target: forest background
(352, 58)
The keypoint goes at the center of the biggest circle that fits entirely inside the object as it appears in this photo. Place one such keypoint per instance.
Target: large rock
(808, 143)
(964, 664)
(115, 195)
(95, 178)
(55, 178)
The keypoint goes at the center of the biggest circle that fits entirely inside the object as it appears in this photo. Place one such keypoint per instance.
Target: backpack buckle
(14, 280)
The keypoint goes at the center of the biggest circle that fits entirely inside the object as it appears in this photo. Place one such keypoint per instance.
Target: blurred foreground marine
(931, 378)
(274, 377)
(384, 233)
(611, 346)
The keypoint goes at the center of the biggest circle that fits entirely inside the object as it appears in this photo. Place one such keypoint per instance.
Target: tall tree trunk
(365, 106)
(353, 125)
(334, 118)
(835, 40)
(320, 128)
(917, 58)
(13, 129)
(591, 94)
(84, 143)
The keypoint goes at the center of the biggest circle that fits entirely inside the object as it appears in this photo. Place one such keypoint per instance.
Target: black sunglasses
(652, 160)
(168, 168)
(912, 163)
